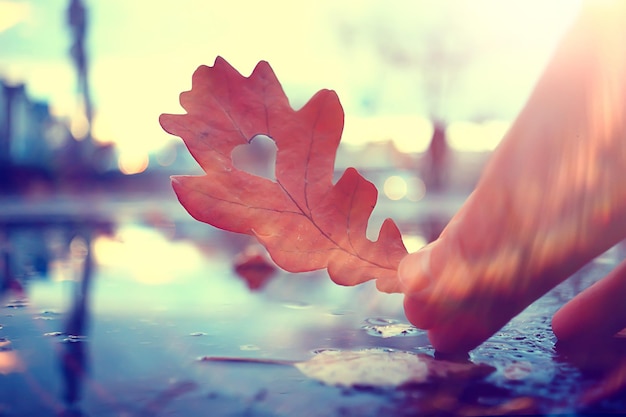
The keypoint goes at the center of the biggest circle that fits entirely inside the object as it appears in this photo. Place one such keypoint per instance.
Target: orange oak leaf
(304, 220)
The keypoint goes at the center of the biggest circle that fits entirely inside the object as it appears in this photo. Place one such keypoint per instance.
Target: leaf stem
(246, 360)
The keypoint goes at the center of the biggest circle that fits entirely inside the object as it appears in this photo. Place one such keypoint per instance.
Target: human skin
(551, 198)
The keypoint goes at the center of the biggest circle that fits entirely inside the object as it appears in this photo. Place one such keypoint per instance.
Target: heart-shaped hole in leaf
(257, 157)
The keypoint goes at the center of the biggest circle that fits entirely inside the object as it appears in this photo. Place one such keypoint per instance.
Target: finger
(416, 279)
(414, 271)
(598, 311)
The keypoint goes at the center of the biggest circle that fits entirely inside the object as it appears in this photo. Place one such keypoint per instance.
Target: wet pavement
(141, 313)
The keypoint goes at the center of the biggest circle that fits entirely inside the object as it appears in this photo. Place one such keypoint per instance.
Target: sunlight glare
(417, 189)
(10, 362)
(147, 255)
(413, 243)
(395, 187)
(130, 163)
(12, 13)
(100, 130)
(167, 156)
(476, 137)
(409, 133)
(79, 126)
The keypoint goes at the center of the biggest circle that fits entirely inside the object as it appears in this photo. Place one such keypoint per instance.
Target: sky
(395, 64)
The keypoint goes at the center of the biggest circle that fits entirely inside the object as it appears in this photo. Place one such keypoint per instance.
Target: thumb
(414, 272)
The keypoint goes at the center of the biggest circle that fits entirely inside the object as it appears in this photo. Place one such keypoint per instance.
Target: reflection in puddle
(146, 256)
(10, 361)
(389, 328)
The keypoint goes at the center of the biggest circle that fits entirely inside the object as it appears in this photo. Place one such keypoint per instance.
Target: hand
(551, 198)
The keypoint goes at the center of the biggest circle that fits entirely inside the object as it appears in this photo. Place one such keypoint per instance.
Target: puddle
(118, 331)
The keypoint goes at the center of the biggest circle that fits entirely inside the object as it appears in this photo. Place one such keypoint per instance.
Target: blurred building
(38, 147)
(25, 126)
(24, 129)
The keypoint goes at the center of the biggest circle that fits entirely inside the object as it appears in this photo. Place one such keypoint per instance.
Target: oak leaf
(304, 220)
(376, 367)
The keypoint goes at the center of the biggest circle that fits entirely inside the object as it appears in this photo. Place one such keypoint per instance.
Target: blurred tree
(435, 46)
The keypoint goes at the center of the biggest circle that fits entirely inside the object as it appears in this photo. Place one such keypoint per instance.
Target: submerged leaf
(304, 220)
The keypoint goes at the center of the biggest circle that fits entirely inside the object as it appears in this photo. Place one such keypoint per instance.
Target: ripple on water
(50, 313)
(74, 339)
(16, 304)
(297, 305)
(382, 327)
(322, 350)
(340, 312)
(249, 347)
(5, 344)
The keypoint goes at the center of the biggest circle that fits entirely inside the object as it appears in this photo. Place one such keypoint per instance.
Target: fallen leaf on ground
(385, 368)
(305, 221)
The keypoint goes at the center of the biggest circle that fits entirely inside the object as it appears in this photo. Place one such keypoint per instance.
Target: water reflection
(146, 255)
(10, 361)
(254, 266)
(8, 281)
(129, 295)
(73, 355)
(60, 251)
(602, 359)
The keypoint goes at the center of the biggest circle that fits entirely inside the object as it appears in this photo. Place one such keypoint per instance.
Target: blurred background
(428, 88)
(93, 242)
(428, 91)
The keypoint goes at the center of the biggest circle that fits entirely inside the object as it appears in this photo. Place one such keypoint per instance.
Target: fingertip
(417, 313)
(563, 326)
(455, 341)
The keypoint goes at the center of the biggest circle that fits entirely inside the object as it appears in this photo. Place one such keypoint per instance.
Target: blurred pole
(77, 21)
(437, 158)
